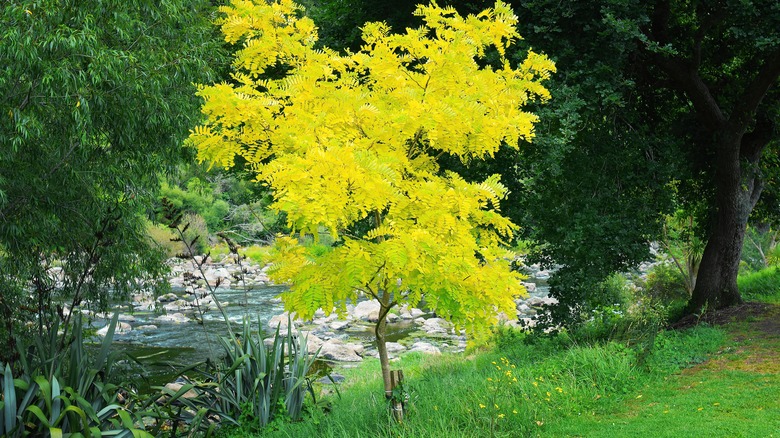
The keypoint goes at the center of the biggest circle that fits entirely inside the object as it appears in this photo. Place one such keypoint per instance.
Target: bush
(167, 239)
(257, 253)
(664, 283)
(64, 391)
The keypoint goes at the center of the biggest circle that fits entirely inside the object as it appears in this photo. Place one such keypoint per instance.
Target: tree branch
(755, 92)
(684, 73)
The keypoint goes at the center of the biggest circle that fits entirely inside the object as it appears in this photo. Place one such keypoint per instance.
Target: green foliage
(225, 199)
(760, 249)
(557, 382)
(665, 283)
(198, 198)
(763, 285)
(65, 392)
(258, 254)
(676, 350)
(95, 99)
(619, 145)
(251, 386)
(683, 246)
(168, 241)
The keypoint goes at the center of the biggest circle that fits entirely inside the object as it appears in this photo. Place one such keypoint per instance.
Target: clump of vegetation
(762, 285)
(68, 391)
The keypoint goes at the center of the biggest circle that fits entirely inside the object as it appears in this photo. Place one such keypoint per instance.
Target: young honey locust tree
(348, 144)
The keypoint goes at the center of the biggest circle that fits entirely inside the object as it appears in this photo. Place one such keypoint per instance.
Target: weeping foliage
(348, 143)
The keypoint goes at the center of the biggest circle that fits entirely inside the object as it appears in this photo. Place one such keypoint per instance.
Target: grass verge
(715, 381)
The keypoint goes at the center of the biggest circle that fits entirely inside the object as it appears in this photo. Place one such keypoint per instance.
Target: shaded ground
(755, 331)
(768, 313)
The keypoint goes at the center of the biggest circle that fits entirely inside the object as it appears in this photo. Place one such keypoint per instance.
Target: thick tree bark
(737, 178)
(737, 189)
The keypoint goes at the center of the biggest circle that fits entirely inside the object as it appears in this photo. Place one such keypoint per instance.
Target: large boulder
(282, 322)
(174, 318)
(425, 347)
(177, 306)
(395, 347)
(367, 310)
(529, 287)
(334, 349)
(313, 343)
(435, 326)
(339, 325)
(122, 328)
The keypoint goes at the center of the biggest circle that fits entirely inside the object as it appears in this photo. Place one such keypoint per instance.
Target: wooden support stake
(397, 399)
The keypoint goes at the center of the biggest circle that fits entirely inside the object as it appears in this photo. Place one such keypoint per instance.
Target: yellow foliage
(348, 139)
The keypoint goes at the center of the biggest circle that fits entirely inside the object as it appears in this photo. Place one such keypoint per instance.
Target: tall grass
(763, 285)
(519, 388)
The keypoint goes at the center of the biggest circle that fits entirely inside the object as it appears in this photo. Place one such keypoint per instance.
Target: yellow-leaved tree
(348, 143)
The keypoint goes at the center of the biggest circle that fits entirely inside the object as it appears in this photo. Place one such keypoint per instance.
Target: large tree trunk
(737, 189)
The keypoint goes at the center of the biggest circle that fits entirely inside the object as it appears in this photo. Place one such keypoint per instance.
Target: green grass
(521, 388)
(704, 381)
(763, 285)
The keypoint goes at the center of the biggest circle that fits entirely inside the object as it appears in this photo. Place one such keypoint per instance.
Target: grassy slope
(714, 381)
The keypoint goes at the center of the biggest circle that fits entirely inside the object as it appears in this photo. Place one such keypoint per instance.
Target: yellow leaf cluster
(349, 141)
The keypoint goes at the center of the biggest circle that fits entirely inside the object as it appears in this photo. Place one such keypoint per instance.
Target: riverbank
(188, 315)
(718, 380)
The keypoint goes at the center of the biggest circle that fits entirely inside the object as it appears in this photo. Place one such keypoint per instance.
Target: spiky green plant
(69, 394)
(252, 385)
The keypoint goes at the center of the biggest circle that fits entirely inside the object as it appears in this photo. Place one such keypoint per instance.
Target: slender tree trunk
(381, 343)
(738, 188)
(384, 359)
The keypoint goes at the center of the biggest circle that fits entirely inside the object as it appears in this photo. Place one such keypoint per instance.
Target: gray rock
(282, 321)
(425, 347)
(148, 327)
(523, 308)
(367, 310)
(339, 325)
(331, 379)
(177, 306)
(174, 387)
(167, 298)
(542, 275)
(313, 343)
(122, 328)
(436, 326)
(334, 349)
(395, 347)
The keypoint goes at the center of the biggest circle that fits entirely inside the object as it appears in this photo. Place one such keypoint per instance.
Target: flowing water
(170, 347)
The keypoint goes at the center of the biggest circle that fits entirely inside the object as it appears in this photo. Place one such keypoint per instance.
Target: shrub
(665, 283)
(64, 391)
(257, 253)
(252, 385)
(167, 239)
